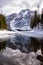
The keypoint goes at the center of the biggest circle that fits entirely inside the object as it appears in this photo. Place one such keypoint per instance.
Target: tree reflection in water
(37, 44)
(2, 46)
(41, 45)
(33, 44)
(24, 44)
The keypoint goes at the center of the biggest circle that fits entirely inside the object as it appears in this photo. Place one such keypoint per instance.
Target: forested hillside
(3, 22)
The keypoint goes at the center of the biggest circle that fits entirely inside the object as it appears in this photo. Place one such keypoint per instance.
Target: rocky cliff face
(22, 21)
(9, 18)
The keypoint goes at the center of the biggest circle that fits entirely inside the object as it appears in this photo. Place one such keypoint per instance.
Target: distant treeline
(3, 22)
(36, 19)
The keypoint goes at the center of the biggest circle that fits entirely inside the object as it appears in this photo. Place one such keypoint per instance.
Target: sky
(14, 6)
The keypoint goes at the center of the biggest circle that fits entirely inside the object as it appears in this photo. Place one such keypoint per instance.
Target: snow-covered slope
(9, 18)
(22, 21)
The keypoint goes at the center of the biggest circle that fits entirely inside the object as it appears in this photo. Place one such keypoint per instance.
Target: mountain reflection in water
(23, 45)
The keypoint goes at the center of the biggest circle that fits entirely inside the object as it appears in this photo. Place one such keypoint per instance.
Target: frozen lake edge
(33, 33)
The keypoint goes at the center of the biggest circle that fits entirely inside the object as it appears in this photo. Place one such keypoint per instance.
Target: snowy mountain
(22, 21)
(9, 18)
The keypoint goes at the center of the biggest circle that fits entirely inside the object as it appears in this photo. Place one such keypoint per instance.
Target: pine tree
(31, 22)
(35, 20)
(42, 17)
(41, 20)
(3, 22)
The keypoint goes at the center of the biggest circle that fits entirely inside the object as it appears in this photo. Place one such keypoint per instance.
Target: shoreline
(32, 33)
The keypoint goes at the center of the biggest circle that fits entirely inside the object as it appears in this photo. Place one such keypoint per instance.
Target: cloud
(10, 6)
(5, 2)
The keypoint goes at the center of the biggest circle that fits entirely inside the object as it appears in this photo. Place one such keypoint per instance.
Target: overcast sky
(11, 6)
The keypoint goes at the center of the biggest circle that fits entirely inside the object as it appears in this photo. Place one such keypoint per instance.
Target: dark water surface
(21, 50)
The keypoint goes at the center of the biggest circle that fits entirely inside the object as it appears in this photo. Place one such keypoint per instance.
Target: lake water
(21, 50)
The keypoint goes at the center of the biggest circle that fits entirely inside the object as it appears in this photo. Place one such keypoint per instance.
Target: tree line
(36, 19)
(3, 22)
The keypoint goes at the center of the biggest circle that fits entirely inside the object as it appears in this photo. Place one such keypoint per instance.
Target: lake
(21, 50)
